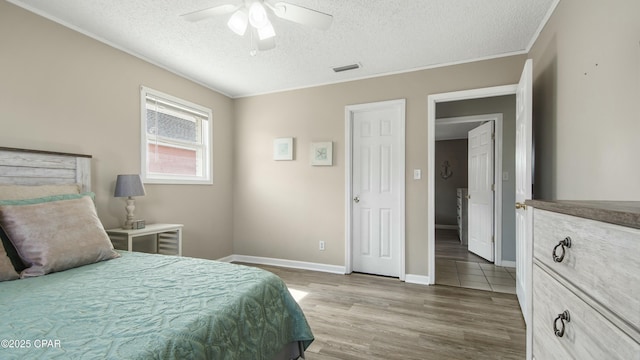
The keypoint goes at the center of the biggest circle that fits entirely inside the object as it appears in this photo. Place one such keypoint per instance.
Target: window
(176, 140)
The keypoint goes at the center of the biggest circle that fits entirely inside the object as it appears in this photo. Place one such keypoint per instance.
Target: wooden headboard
(36, 167)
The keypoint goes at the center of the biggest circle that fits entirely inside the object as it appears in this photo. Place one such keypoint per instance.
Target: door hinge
(493, 136)
(493, 187)
(492, 239)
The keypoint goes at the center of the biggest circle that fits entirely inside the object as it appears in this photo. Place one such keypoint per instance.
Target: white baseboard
(446, 227)
(226, 258)
(507, 263)
(334, 269)
(417, 279)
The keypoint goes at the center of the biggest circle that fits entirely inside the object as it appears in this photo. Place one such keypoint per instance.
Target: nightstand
(168, 237)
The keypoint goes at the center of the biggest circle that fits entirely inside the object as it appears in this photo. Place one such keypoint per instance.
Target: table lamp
(129, 185)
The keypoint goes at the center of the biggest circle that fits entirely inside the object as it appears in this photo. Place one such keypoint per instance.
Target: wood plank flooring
(370, 317)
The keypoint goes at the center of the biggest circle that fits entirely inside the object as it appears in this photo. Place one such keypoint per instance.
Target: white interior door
(481, 174)
(524, 245)
(377, 189)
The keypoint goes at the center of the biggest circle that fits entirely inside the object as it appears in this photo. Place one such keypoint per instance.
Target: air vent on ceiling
(346, 67)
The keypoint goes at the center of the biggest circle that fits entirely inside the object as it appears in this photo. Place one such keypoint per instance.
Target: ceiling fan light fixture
(238, 22)
(258, 15)
(266, 32)
(254, 13)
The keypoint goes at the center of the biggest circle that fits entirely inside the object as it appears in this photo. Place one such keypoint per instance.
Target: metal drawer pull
(562, 317)
(565, 242)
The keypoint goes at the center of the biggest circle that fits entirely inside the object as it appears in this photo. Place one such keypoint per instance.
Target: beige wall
(282, 209)
(62, 91)
(587, 102)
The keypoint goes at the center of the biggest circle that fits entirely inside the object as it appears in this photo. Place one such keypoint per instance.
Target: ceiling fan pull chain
(254, 47)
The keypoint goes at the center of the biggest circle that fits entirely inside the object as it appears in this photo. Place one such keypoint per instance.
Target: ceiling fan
(254, 15)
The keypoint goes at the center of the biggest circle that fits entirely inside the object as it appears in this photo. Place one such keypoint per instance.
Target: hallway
(456, 266)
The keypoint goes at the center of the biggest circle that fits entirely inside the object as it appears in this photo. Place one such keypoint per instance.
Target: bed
(117, 304)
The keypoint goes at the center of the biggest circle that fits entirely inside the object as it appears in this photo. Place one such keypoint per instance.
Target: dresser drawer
(603, 260)
(587, 334)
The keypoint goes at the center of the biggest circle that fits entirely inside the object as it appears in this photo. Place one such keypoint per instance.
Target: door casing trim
(432, 101)
(349, 110)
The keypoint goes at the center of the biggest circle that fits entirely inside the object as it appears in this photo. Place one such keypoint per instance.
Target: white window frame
(205, 146)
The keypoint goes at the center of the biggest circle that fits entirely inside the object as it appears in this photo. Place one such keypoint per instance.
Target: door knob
(356, 199)
(521, 206)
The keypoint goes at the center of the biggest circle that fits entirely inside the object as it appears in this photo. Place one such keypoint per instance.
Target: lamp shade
(129, 185)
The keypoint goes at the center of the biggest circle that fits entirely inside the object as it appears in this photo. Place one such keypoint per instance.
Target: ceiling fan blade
(266, 44)
(302, 15)
(209, 12)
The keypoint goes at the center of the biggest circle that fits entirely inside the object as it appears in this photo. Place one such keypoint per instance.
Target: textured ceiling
(384, 36)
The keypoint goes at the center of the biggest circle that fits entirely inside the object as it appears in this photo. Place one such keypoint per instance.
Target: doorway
(459, 128)
(456, 263)
(375, 188)
(433, 101)
(523, 170)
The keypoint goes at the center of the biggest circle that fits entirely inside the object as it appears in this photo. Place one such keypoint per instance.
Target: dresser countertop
(625, 213)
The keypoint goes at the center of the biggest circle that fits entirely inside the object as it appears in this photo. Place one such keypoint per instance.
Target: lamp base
(131, 206)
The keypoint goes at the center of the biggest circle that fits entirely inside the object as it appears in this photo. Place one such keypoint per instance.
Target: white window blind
(176, 140)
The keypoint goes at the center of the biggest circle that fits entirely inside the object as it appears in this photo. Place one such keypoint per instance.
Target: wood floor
(370, 317)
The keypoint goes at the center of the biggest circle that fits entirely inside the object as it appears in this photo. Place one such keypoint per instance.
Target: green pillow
(48, 199)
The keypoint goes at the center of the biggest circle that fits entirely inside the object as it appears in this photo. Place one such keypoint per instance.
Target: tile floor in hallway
(456, 266)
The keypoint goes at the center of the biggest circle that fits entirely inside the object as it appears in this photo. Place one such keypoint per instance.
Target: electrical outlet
(322, 245)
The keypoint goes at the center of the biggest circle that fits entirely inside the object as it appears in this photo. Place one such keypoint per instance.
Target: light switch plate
(417, 174)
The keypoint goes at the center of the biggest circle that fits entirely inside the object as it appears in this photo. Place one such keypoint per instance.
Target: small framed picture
(322, 153)
(283, 149)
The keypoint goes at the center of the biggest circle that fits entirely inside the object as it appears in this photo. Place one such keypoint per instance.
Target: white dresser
(586, 280)
(463, 228)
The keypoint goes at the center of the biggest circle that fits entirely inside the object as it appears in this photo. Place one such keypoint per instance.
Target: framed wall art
(322, 153)
(283, 149)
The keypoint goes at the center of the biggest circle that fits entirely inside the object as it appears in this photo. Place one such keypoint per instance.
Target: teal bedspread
(145, 306)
